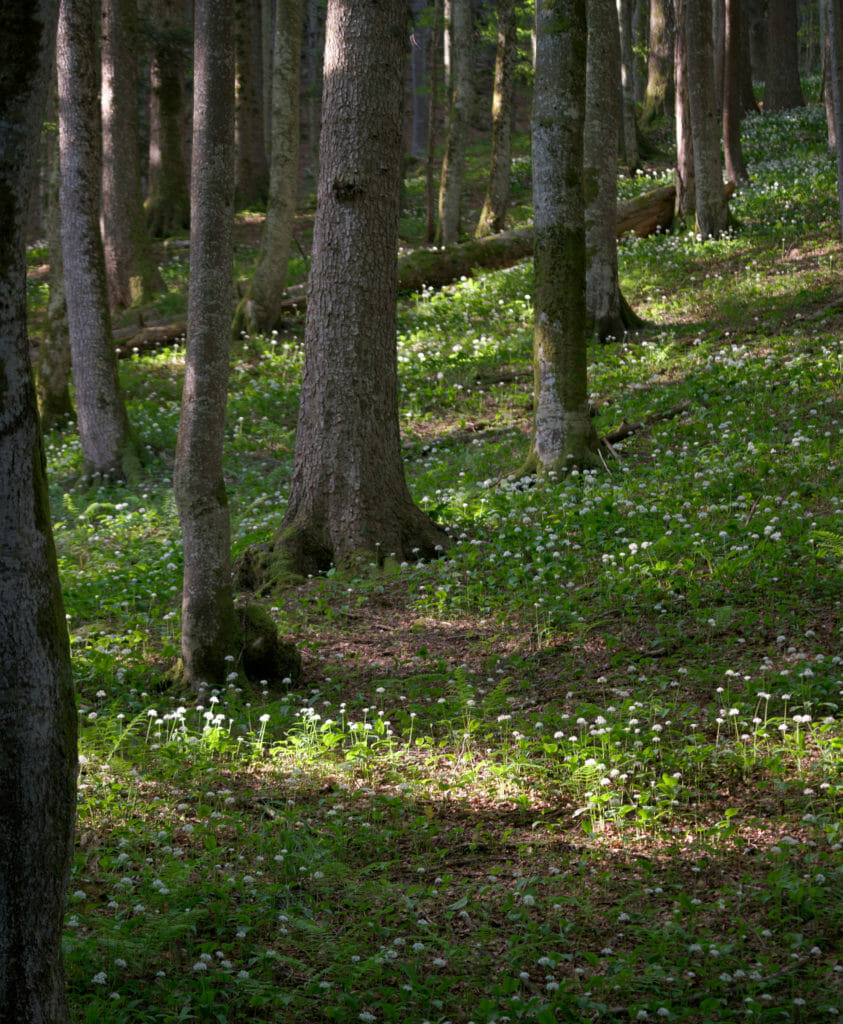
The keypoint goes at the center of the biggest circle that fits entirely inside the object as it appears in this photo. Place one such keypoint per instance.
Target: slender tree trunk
(658, 99)
(420, 74)
(252, 173)
(459, 119)
(349, 501)
(828, 71)
(735, 163)
(168, 202)
(260, 309)
(53, 373)
(563, 437)
(432, 122)
(107, 445)
(313, 50)
(208, 616)
(782, 88)
(641, 29)
(38, 718)
(629, 126)
(600, 171)
(685, 191)
(718, 15)
(834, 17)
(493, 214)
(748, 102)
(131, 271)
(712, 209)
(267, 35)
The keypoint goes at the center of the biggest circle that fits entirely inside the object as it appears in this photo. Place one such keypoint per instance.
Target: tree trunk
(641, 30)
(718, 16)
(315, 44)
(420, 74)
(168, 202)
(251, 170)
(735, 163)
(107, 445)
(685, 192)
(53, 372)
(131, 271)
(459, 118)
(261, 307)
(38, 717)
(782, 89)
(834, 18)
(629, 127)
(563, 435)
(828, 71)
(712, 210)
(208, 616)
(658, 99)
(432, 122)
(748, 102)
(493, 214)
(349, 500)
(600, 171)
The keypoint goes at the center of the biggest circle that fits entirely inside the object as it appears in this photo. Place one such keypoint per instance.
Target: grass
(588, 767)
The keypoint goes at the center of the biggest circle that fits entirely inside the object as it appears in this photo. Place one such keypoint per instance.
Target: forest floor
(587, 766)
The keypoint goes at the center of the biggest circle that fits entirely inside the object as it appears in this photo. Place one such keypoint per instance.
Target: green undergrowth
(585, 768)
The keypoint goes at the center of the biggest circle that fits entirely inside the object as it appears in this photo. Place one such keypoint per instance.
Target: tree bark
(315, 44)
(251, 169)
(459, 118)
(420, 72)
(834, 17)
(563, 436)
(711, 207)
(735, 163)
(261, 307)
(130, 268)
(349, 500)
(629, 126)
(53, 369)
(604, 308)
(208, 616)
(658, 99)
(107, 445)
(168, 202)
(432, 123)
(749, 104)
(782, 88)
(493, 214)
(686, 199)
(37, 706)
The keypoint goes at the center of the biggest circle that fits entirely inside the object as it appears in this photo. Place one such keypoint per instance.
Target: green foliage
(587, 767)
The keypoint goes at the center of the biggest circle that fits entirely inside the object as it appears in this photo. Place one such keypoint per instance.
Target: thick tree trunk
(493, 214)
(686, 199)
(38, 716)
(782, 88)
(629, 126)
(208, 616)
(131, 271)
(53, 372)
(563, 436)
(349, 501)
(251, 169)
(735, 163)
(459, 119)
(107, 445)
(261, 307)
(712, 209)
(600, 172)
(168, 202)
(658, 99)
(419, 77)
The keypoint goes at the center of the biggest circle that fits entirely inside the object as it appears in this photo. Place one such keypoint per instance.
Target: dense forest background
(382, 713)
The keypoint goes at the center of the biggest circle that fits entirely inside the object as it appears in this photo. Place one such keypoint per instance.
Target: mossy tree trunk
(732, 107)
(208, 616)
(607, 312)
(260, 308)
(629, 125)
(563, 436)
(53, 371)
(38, 718)
(251, 175)
(460, 98)
(685, 192)
(168, 202)
(711, 205)
(658, 99)
(493, 214)
(349, 500)
(107, 444)
(130, 268)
